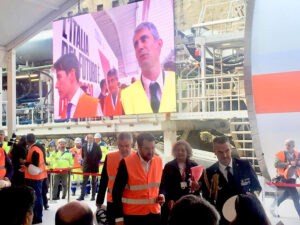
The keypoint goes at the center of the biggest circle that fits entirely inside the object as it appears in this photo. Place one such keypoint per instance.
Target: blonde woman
(176, 179)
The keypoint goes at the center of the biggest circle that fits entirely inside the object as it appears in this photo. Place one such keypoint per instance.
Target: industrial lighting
(27, 76)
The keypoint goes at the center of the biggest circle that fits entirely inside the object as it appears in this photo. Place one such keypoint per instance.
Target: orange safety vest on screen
(86, 107)
(2, 163)
(284, 171)
(42, 165)
(110, 109)
(142, 189)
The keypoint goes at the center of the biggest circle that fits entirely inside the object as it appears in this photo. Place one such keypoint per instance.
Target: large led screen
(274, 74)
(115, 62)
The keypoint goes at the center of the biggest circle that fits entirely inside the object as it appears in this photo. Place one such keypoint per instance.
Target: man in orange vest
(35, 173)
(79, 104)
(112, 102)
(135, 193)
(109, 173)
(6, 169)
(287, 163)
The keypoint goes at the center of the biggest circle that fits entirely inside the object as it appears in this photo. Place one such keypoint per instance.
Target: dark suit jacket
(91, 159)
(245, 180)
(170, 185)
(171, 179)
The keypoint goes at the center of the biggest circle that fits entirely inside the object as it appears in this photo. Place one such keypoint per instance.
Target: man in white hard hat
(103, 147)
(76, 151)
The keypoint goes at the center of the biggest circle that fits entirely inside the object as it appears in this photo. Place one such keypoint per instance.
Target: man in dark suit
(227, 177)
(91, 155)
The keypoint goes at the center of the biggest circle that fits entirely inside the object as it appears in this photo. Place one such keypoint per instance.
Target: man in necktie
(91, 155)
(155, 91)
(80, 104)
(69, 108)
(227, 177)
(112, 102)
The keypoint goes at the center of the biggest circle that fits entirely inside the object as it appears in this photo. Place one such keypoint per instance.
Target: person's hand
(22, 169)
(171, 204)
(5, 182)
(160, 199)
(195, 186)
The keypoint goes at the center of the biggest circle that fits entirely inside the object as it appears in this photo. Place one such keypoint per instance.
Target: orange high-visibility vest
(2, 163)
(86, 107)
(110, 109)
(42, 165)
(283, 171)
(142, 188)
(112, 163)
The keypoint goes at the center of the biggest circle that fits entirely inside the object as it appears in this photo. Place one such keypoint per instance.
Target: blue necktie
(154, 87)
(69, 107)
(230, 178)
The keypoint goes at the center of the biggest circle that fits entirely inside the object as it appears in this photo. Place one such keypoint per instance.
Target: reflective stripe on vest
(139, 196)
(42, 165)
(112, 163)
(111, 178)
(139, 201)
(141, 187)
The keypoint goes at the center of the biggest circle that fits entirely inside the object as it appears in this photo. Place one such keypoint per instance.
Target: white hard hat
(62, 140)
(77, 140)
(97, 135)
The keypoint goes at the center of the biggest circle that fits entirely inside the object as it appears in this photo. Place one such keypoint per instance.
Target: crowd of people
(137, 187)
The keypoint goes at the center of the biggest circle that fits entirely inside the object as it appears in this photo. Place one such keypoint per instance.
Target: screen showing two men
(115, 62)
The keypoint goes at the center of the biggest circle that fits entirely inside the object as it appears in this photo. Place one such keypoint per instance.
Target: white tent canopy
(20, 20)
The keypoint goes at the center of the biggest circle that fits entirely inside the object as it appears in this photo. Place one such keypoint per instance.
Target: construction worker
(109, 172)
(6, 169)
(3, 143)
(76, 178)
(50, 150)
(104, 148)
(35, 173)
(287, 163)
(63, 159)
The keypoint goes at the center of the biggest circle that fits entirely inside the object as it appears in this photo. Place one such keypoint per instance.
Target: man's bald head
(74, 213)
